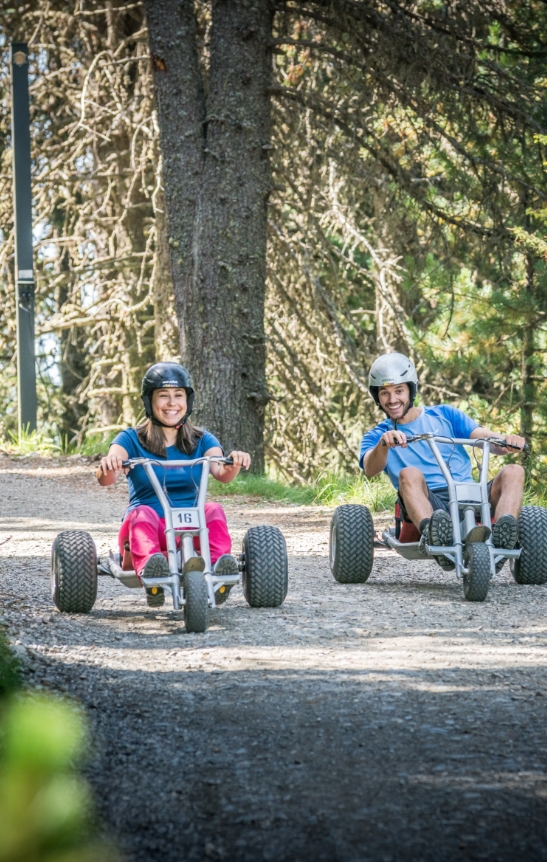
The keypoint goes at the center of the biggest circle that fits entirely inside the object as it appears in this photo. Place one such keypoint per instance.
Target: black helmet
(166, 375)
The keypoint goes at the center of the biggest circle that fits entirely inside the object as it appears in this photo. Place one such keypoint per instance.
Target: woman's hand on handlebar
(393, 438)
(111, 465)
(227, 472)
(240, 459)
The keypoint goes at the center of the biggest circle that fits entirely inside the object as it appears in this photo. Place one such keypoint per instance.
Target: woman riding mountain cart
(168, 432)
(423, 451)
(171, 539)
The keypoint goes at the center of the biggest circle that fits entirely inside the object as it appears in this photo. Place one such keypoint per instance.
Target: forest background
(406, 211)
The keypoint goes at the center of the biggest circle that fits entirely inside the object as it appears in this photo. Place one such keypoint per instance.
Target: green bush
(9, 668)
(45, 806)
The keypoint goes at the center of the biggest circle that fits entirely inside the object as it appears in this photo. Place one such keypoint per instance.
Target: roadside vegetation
(46, 809)
(329, 489)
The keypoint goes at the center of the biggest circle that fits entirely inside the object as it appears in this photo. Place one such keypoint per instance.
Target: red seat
(405, 531)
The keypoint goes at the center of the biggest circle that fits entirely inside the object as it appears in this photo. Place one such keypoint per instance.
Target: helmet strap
(155, 421)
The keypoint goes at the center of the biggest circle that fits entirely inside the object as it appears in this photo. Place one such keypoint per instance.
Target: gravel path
(388, 721)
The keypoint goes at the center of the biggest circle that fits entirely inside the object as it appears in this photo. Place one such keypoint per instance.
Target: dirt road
(388, 721)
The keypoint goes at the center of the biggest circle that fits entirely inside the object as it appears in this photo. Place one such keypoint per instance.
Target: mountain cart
(263, 566)
(472, 555)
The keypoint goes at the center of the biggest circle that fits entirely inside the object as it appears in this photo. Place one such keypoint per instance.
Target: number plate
(185, 519)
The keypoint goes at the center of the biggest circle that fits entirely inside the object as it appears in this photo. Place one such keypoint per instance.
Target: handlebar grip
(126, 463)
(229, 461)
(506, 445)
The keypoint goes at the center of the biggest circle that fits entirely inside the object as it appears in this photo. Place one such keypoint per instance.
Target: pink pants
(144, 530)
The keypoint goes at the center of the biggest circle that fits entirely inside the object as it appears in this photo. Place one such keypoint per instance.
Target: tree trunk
(216, 179)
(166, 333)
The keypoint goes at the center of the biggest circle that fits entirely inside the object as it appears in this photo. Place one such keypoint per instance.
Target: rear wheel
(74, 572)
(196, 608)
(531, 566)
(222, 594)
(265, 567)
(155, 597)
(477, 579)
(351, 545)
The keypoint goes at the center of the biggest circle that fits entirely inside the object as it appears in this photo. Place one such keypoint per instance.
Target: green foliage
(45, 808)
(9, 669)
(30, 443)
(94, 444)
(264, 488)
(377, 494)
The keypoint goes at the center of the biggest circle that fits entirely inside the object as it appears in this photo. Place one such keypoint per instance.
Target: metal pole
(24, 275)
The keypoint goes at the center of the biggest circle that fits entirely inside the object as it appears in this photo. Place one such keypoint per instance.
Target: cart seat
(405, 531)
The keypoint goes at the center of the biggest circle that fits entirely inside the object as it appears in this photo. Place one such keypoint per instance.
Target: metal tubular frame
(457, 501)
(173, 582)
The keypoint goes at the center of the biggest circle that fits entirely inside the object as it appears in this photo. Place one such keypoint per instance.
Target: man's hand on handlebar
(393, 438)
(514, 444)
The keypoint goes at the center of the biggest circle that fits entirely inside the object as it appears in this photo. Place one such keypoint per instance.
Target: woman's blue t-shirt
(182, 483)
(443, 420)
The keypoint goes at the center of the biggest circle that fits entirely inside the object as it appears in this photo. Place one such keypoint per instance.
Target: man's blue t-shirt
(182, 483)
(443, 420)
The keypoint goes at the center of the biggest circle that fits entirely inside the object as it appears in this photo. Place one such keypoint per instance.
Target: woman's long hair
(151, 437)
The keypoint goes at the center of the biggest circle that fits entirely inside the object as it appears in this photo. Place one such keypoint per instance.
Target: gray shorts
(438, 498)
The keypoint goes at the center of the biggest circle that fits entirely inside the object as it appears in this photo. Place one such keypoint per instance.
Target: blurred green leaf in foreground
(46, 810)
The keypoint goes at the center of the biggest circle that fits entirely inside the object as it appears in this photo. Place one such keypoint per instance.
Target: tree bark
(217, 178)
(166, 332)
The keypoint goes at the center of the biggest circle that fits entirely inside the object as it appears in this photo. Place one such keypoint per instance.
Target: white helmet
(390, 369)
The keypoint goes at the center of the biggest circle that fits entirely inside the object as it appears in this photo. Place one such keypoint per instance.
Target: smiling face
(394, 399)
(169, 405)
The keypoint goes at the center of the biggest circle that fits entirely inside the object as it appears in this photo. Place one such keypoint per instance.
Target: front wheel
(531, 566)
(351, 545)
(196, 607)
(477, 579)
(74, 572)
(265, 567)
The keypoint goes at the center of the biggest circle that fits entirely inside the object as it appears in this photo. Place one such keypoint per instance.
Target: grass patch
(9, 667)
(263, 487)
(330, 489)
(42, 443)
(30, 443)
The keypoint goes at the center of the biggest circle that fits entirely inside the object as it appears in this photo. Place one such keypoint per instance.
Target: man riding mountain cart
(472, 527)
(413, 471)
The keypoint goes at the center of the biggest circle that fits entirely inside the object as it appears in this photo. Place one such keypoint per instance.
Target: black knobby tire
(156, 600)
(265, 573)
(74, 572)
(196, 608)
(351, 544)
(531, 566)
(477, 581)
(220, 598)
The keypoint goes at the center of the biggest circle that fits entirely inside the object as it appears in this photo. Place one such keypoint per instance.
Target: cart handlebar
(471, 442)
(135, 462)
